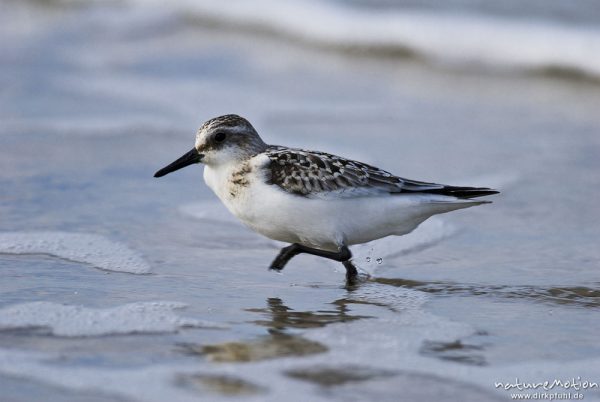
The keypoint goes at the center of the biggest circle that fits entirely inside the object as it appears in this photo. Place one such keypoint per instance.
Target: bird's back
(316, 174)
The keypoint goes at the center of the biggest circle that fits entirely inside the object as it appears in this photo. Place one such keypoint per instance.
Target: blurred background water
(118, 286)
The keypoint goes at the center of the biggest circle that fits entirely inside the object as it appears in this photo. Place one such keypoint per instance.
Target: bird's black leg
(351, 272)
(343, 255)
(284, 256)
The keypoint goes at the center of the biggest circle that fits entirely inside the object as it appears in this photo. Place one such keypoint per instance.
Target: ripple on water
(88, 248)
(220, 384)
(328, 376)
(273, 346)
(580, 296)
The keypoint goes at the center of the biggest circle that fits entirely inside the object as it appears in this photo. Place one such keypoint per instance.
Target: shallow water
(158, 294)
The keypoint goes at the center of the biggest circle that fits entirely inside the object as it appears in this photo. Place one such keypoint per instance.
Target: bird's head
(224, 139)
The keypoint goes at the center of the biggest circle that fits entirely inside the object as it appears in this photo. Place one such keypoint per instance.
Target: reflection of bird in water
(282, 317)
(279, 342)
(321, 203)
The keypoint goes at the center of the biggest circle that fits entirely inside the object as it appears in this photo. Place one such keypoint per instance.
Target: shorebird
(319, 202)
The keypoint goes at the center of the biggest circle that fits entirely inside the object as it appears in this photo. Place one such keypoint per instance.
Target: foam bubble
(69, 321)
(91, 249)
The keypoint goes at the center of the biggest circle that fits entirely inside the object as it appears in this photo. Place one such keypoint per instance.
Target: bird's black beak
(189, 158)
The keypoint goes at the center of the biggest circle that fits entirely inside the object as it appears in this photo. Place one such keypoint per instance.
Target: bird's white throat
(231, 182)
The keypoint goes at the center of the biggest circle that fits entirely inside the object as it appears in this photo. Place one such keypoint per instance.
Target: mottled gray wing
(311, 173)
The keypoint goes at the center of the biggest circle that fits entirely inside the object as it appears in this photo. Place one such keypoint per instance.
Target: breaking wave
(460, 40)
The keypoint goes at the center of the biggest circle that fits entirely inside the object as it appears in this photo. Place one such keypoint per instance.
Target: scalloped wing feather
(317, 174)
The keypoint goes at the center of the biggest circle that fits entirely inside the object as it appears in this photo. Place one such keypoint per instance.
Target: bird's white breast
(236, 186)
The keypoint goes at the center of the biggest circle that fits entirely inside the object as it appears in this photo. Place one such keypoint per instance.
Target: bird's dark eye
(220, 137)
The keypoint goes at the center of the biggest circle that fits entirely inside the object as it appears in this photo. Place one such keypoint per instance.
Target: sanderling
(321, 203)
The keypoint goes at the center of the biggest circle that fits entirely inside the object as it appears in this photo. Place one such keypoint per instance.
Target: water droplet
(368, 259)
(379, 260)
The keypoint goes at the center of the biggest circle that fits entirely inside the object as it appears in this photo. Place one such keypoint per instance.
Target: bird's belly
(278, 221)
(325, 223)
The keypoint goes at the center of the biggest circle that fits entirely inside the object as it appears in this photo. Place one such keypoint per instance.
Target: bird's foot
(353, 277)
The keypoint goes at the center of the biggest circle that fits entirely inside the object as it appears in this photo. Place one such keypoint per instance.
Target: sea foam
(87, 248)
(70, 321)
